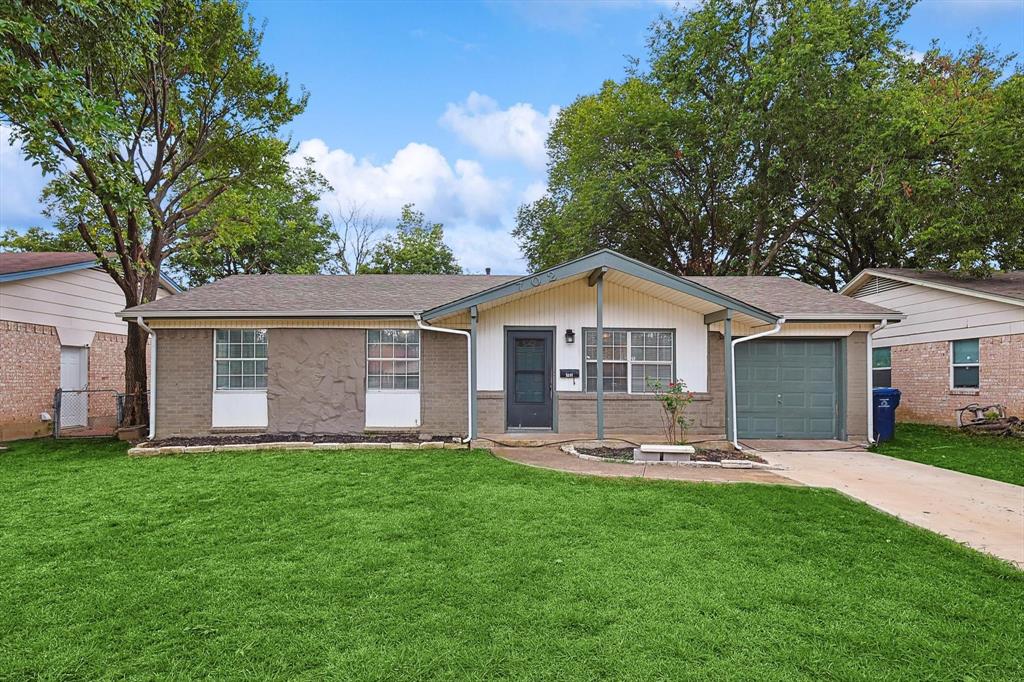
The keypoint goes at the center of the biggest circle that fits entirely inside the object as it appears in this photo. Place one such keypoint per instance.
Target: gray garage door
(786, 388)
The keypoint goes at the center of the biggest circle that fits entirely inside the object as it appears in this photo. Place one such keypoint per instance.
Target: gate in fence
(88, 412)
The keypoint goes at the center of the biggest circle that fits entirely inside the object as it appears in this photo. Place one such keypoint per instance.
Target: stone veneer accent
(921, 372)
(316, 380)
(443, 384)
(184, 382)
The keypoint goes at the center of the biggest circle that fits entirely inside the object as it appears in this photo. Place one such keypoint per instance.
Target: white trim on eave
(228, 314)
(854, 285)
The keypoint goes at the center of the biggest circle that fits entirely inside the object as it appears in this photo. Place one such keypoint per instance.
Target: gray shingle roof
(1009, 283)
(24, 262)
(324, 294)
(791, 298)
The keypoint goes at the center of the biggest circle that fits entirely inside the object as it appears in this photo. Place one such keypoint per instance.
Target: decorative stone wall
(443, 384)
(921, 372)
(316, 380)
(29, 374)
(184, 382)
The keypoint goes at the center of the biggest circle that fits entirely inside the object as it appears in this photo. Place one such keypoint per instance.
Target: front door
(528, 379)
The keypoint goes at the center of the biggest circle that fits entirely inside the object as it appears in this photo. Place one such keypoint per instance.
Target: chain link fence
(88, 412)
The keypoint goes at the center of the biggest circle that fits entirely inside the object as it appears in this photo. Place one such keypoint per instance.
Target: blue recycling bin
(885, 402)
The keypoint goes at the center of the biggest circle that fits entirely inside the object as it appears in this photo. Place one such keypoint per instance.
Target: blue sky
(447, 104)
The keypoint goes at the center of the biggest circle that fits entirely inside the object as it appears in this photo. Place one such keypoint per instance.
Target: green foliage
(274, 227)
(40, 239)
(416, 248)
(371, 565)
(675, 398)
(799, 138)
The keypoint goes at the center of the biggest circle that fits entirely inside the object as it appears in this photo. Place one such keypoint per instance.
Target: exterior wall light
(570, 336)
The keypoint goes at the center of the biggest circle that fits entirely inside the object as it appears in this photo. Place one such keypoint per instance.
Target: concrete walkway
(550, 457)
(984, 514)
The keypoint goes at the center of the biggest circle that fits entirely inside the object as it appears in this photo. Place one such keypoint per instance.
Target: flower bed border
(570, 449)
(142, 451)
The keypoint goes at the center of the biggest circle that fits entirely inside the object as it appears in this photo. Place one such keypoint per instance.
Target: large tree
(276, 226)
(145, 113)
(416, 248)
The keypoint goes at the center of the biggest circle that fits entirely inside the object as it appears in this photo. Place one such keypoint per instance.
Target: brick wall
(29, 374)
(184, 381)
(443, 384)
(921, 372)
(856, 387)
(106, 371)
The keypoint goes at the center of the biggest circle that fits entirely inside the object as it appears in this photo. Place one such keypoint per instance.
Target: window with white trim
(633, 359)
(393, 359)
(240, 360)
(881, 367)
(965, 364)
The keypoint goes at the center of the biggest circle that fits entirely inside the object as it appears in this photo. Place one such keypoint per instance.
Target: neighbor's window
(966, 366)
(393, 359)
(241, 359)
(632, 360)
(881, 367)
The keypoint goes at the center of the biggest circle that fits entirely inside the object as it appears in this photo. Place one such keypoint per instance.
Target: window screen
(241, 359)
(966, 364)
(881, 367)
(393, 360)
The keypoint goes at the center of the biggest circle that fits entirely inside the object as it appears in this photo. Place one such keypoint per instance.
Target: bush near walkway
(454, 564)
(997, 457)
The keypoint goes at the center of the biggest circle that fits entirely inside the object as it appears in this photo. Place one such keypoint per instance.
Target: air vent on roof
(877, 285)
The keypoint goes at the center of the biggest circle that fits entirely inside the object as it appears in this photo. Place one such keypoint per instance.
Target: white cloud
(20, 186)
(518, 132)
(534, 191)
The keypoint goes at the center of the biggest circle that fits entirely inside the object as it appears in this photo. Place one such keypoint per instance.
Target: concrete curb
(140, 451)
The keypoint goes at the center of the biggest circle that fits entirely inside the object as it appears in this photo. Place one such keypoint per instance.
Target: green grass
(995, 457)
(454, 564)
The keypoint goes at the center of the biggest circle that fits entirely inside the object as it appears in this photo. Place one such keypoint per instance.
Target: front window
(966, 364)
(241, 359)
(633, 360)
(881, 367)
(393, 360)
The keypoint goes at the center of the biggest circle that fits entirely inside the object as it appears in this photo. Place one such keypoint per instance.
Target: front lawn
(454, 564)
(994, 457)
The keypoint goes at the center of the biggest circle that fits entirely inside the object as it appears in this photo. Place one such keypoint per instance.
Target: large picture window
(241, 359)
(966, 365)
(881, 367)
(393, 360)
(633, 360)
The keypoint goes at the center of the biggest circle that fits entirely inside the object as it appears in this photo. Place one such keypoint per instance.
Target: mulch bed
(243, 439)
(701, 455)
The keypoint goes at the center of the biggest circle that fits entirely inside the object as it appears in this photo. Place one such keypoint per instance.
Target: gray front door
(786, 388)
(528, 379)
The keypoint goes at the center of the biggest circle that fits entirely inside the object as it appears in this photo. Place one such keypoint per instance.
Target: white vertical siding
(936, 315)
(573, 306)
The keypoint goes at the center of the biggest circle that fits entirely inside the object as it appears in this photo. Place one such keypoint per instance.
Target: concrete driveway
(984, 514)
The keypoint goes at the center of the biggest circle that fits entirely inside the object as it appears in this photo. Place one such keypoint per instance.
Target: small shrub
(674, 399)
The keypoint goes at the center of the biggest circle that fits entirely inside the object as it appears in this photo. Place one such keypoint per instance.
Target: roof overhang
(131, 314)
(599, 261)
(167, 282)
(864, 275)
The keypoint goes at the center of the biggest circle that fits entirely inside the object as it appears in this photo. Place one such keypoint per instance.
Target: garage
(788, 388)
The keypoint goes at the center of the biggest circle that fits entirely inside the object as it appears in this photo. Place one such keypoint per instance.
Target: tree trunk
(135, 377)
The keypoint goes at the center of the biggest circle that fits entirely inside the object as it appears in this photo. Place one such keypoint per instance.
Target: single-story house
(962, 341)
(59, 329)
(484, 355)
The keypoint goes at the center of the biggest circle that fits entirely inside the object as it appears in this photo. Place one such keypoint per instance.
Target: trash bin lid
(887, 392)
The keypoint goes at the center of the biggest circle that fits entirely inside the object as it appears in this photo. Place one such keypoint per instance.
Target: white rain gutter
(469, 368)
(732, 389)
(152, 378)
(871, 381)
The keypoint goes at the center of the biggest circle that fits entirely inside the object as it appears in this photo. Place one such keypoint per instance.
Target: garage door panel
(786, 388)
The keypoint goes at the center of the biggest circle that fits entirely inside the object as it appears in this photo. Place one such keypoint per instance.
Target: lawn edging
(143, 451)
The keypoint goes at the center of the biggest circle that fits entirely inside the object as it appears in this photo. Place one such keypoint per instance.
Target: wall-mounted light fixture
(570, 336)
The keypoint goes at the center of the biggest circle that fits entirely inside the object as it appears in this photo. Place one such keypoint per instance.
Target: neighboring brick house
(58, 328)
(962, 341)
(456, 355)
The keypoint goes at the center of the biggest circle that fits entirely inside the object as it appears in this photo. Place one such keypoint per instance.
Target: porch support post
(474, 429)
(599, 284)
(730, 418)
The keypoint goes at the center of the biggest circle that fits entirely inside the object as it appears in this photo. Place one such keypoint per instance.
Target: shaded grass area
(996, 457)
(454, 564)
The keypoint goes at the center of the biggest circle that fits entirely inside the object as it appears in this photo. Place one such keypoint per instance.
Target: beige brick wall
(856, 386)
(921, 372)
(184, 382)
(443, 384)
(29, 374)
(106, 373)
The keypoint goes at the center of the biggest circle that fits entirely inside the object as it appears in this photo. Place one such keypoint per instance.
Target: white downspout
(871, 381)
(732, 389)
(469, 368)
(152, 378)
